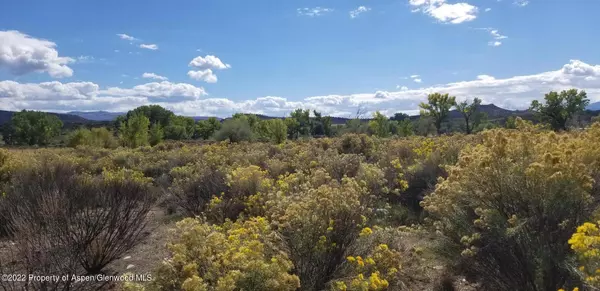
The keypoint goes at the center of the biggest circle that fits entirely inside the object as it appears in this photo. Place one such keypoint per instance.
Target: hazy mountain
(593, 106)
(5, 117)
(98, 115)
(110, 116)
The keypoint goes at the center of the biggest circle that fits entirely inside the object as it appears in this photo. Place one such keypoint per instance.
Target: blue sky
(270, 56)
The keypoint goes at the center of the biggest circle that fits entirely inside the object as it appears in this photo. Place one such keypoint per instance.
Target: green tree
(154, 113)
(400, 116)
(32, 128)
(277, 130)
(321, 125)
(380, 125)
(303, 125)
(206, 128)
(438, 106)
(560, 107)
(251, 119)
(156, 134)
(510, 122)
(134, 132)
(292, 127)
(469, 112)
(403, 127)
(179, 128)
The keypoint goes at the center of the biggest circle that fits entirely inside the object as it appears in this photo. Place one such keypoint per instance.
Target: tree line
(152, 124)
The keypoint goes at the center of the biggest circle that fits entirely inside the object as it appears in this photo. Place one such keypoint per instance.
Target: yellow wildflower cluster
(233, 256)
(585, 242)
(374, 272)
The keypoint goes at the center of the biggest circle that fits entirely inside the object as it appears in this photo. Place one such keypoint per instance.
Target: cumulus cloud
(203, 75)
(154, 76)
(358, 11)
(208, 62)
(22, 54)
(444, 12)
(205, 66)
(512, 93)
(485, 78)
(149, 46)
(57, 96)
(312, 12)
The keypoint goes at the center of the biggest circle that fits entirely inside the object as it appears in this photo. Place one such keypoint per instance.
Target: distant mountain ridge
(5, 117)
(593, 106)
(98, 115)
(111, 116)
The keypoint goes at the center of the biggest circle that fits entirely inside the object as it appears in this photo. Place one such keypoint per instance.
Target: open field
(488, 211)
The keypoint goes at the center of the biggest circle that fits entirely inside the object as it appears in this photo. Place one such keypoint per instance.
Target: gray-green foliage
(95, 137)
(235, 130)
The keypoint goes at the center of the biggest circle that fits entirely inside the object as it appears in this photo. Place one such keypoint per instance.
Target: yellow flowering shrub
(585, 242)
(319, 224)
(508, 206)
(373, 271)
(239, 255)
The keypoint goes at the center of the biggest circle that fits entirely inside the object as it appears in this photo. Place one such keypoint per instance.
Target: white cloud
(126, 37)
(403, 88)
(416, 78)
(312, 12)
(205, 66)
(154, 76)
(22, 54)
(485, 78)
(488, 9)
(117, 51)
(512, 93)
(203, 75)
(149, 46)
(208, 62)
(521, 3)
(446, 13)
(356, 12)
(496, 36)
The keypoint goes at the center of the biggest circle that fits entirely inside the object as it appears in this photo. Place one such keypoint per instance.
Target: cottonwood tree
(437, 106)
(560, 107)
(134, 132)
(32, 128)
(469, 112)
(206, 128)
(380, 125)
